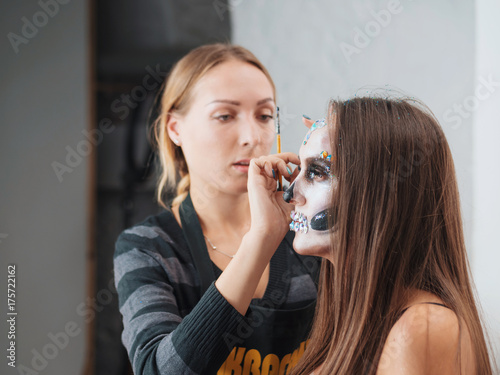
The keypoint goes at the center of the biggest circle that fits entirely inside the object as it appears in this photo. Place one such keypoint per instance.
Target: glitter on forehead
(318, 124)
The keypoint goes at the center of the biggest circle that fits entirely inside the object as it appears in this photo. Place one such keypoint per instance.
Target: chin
(237, 187)
(312, 244)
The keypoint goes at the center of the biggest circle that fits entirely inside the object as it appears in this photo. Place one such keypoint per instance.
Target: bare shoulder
(425, 340)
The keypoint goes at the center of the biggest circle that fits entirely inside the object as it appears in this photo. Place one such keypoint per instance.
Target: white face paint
(312, 192)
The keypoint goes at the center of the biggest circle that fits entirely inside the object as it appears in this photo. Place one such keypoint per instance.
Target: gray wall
(44, 107)
(438, 51)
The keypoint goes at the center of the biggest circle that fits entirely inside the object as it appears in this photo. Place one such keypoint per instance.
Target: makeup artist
(203, 287)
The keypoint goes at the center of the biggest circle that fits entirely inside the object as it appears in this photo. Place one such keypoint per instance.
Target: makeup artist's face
(229, 122)
(312, 194)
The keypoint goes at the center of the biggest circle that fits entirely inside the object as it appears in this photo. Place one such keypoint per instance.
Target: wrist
(264, 239)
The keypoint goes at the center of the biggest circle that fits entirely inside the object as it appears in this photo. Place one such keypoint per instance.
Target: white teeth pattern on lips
(299, 222)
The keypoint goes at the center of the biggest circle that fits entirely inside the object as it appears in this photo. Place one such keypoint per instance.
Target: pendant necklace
(215, 249)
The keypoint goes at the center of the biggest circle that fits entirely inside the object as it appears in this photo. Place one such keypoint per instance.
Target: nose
(293, 195)
(250, 133)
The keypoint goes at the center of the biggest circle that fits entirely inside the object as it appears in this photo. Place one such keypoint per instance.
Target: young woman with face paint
(204, 287)
(395, 289)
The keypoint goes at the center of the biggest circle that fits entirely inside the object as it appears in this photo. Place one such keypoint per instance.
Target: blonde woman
(204, 287)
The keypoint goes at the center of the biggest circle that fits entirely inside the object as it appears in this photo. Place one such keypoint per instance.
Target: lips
(244, 162)
(299, 222)
(242, 166)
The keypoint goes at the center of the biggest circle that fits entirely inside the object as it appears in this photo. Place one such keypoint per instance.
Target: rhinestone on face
(299, 222)
(318, 124)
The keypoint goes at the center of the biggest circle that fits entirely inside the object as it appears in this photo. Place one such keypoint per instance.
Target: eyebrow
(234, 102)
(265, 101)
(227, 101)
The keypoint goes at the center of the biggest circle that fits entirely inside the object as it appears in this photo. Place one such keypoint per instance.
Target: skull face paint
(311, 194)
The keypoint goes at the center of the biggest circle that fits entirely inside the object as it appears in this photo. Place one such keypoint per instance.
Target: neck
(227, 214)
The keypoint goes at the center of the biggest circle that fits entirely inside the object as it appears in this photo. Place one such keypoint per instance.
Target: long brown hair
(397, 228)
(176, 98)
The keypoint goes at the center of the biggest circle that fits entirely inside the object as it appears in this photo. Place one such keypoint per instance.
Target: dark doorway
(135, 44)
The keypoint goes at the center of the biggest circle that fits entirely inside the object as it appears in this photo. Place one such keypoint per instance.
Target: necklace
(215, 249)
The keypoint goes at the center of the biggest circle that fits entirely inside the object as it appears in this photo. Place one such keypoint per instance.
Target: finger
(278, 164)
(269, 170)
(286, 157)
(262, 164)
(260, 174)
(284, 169)
(284, 206)
(259, 167)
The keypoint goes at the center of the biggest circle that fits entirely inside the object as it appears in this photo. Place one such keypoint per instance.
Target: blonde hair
(176, 98)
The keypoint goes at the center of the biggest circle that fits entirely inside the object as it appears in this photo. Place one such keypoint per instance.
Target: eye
(222, 117)
(315, 172)
(265, 117)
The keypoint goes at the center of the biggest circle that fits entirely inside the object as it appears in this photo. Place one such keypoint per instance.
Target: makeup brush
(278, 144)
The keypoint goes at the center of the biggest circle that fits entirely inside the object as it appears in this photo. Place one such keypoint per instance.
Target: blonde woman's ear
(307, 121)
(173, 130)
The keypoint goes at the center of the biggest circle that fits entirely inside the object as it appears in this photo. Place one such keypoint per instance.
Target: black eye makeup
(317, 170)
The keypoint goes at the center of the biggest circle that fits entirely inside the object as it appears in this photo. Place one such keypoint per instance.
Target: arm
(157, 337)
(269, 224)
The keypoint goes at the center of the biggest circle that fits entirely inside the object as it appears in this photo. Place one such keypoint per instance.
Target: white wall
(43, 109)
(427, 49)
(486, 167)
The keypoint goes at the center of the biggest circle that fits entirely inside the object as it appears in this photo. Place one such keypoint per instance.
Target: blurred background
(78, 83)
